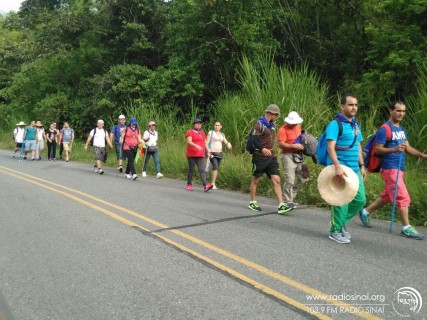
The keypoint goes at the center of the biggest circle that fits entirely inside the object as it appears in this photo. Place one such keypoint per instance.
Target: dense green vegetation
(80, 60)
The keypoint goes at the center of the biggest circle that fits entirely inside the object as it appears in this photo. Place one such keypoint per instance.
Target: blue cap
(133, 121)
(197, 120)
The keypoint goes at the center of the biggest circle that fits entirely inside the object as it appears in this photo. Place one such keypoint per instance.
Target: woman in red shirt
(195, 154)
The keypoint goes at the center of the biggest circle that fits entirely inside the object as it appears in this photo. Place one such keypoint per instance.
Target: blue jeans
(156, 160)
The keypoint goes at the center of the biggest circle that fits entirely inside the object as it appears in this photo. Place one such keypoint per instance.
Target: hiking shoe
(207, 187)
(189, 186)
(292, 205)
(214, 187)
(339, 237)
(159, 175)
(345, 233)
(410, 232)
(120, 168)
(144, 174)
(364, 217)
(100, 171)
(283, 208)
(134, 177)
(253, 205)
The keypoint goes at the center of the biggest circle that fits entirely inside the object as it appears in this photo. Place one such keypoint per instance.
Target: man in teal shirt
(30, 138)
(345, 149)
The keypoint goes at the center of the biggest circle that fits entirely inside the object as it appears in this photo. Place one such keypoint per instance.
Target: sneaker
(144, 174)
(128, 176)
(134, 177)
(159, 176)
(95, 168)
(32, 159)
(345, 233)
(410, 232)
(25, 158)
(338, 237)
(283, 208)
(214, 187)
(189, 186)
(207, 187)
(292, 205)
(100, 171)
(120, 168)
(13, 155)
(364, 217)
(66, 160)
(253, 205)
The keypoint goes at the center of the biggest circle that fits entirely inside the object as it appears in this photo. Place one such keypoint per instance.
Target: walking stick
(395, 194)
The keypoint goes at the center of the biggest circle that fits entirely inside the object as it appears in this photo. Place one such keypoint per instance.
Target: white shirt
(99, 138)
(19, 134)
(40, 135)
(152, 136)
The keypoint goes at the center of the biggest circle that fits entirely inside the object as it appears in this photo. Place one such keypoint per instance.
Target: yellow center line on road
(295, 284)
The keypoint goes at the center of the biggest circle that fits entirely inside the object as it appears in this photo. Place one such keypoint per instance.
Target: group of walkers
(205, 151)
(31, 139)
(391, 150)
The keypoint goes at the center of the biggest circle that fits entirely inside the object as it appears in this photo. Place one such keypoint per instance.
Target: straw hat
(38, 124)
(335, 190)
(21, 123)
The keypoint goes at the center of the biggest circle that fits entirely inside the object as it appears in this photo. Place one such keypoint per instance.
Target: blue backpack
(249, 143)
(322, 145)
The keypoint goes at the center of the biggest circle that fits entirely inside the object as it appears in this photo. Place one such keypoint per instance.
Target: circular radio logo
(407, 302)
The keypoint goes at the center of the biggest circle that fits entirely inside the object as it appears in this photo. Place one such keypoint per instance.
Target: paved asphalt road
(79, 245)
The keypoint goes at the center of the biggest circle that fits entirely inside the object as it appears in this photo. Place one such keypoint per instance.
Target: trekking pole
(395, 194)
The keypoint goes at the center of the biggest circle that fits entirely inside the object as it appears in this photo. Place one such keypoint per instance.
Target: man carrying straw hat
(345, 149)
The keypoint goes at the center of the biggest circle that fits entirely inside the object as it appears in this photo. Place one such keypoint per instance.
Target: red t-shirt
(131, 138)
(288, 135)
(199, 138)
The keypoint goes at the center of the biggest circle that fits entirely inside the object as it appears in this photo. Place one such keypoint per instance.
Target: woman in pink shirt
(130, 139)
(196, 154)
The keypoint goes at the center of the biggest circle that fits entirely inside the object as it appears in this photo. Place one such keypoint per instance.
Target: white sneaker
(214, 187)
(159, 176)
(144, 174)
(128, 176)
(134, 177)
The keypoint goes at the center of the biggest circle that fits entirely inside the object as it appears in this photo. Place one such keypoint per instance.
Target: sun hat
(151, 123)
(38, 124)
(335, 190)
(273, 109)
(122, 117)
(100, 121)
(197, 120)
(133, 121)
(21, 123)
(293, 118)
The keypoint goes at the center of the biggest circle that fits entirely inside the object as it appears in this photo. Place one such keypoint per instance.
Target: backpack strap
(340, 129)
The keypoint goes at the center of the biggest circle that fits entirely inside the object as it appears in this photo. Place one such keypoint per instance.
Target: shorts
(402, 197)
(67, 146)
(216, 162)
(262, 164)
(30, 145)
(99, 153)
(118, 150)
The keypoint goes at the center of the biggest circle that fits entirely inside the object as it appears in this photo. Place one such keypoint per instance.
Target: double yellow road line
(79, 196)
